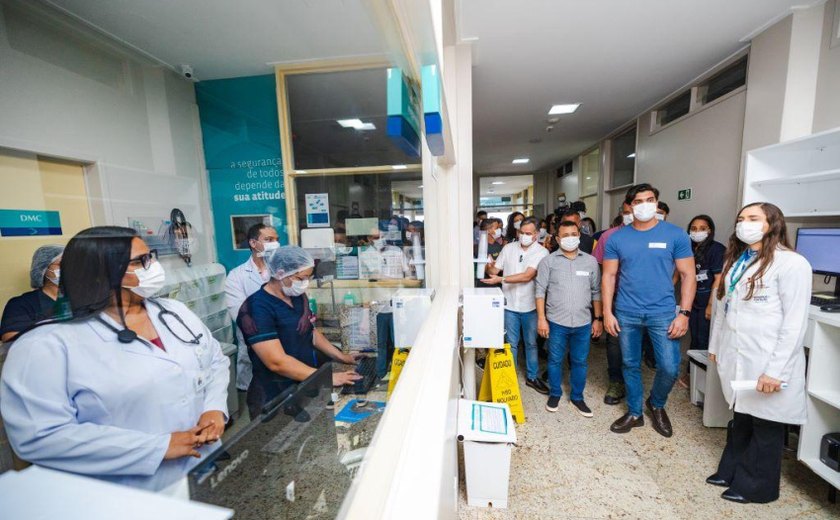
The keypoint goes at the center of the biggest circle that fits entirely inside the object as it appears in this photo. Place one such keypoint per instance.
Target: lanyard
(740, 267)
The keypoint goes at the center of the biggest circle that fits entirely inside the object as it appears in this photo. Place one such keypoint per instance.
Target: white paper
(491, 419)
(746, 384)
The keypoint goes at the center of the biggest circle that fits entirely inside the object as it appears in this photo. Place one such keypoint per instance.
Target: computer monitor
(821, 247)
(285, 464)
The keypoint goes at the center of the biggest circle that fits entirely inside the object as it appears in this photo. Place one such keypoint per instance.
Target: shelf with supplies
(823, 391)
(800, 176)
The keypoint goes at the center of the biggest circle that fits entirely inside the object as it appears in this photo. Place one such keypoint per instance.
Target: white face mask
(517, 224)
(582, 214)
(569, 243)
(526, 240)
(749, 232)
(660, 216)
(268, 248)
(298, 287)
(497, 233)
(627, 219)
(543, 233)
(379, 243)
(644, 211)
(56, 276)
(151, 280)
(698, 236)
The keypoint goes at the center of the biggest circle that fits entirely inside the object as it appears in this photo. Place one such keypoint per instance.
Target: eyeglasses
(146, 259)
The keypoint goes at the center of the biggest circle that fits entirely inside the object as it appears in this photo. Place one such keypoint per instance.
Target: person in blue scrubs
(283, 344)
(24, 311)
(131, 389)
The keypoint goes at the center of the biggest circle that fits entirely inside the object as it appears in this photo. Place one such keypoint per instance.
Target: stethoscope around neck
(127, 335)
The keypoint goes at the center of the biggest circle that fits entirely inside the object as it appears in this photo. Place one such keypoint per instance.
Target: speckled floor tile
(567, 466)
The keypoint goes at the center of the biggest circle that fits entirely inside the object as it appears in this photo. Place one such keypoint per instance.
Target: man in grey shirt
(568, 286)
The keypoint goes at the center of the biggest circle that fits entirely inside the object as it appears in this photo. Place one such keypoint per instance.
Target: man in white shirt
(242, 282)
(382, 261)
(518, 262)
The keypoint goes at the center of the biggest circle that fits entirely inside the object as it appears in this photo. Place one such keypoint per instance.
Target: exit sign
(684, 194)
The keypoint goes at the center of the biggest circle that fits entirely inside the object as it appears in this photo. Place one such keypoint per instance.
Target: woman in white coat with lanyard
(757, 335)
(130, 390)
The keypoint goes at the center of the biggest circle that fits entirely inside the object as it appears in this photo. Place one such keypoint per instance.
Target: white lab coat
(75, 399)
(765, 335)
(242, 282)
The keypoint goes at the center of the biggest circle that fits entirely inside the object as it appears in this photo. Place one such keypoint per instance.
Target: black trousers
(614, 362)
(752, 459)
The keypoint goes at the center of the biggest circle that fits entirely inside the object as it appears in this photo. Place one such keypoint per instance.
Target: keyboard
(366, 368)
(821, 300)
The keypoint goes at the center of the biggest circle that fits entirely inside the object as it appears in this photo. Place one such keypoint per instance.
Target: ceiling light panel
(568, 108)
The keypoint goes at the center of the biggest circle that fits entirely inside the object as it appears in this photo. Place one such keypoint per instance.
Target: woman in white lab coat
(131, 390)
(757, 335)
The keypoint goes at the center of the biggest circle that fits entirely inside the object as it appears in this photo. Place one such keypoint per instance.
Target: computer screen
(821, 247)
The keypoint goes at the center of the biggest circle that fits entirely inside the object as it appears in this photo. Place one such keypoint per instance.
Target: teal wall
(241, 134)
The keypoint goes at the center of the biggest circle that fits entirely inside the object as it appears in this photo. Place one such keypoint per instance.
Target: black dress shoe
(734, 497)
(660, 420)
(626, 423)
(715, 480)
(538, 385)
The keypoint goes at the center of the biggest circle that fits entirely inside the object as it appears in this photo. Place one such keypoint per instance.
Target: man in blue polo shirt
(648, 251)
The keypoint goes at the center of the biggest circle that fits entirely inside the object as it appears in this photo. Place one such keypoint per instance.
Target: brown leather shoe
(626, 423)
(660, 421)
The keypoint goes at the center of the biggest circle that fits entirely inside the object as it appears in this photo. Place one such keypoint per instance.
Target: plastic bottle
(349, 299)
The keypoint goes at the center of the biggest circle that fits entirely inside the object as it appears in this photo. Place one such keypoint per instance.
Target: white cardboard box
(487, 433)
(484, 317)
(411, 306)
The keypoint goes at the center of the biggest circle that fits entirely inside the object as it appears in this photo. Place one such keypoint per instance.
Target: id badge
(702, 276)
(726, 305)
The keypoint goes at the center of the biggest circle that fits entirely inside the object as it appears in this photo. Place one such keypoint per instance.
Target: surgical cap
(288, 260)
(41, 259)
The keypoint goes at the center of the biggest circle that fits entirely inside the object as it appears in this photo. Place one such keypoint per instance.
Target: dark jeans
(384, 342)
(752, 459)
(699, 327)
(574, 340)
(614, 359)
(666, 350)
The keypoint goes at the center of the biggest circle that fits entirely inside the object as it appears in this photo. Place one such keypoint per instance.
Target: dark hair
(776, 236)
(569, 213)
(529, 221)
(567, 223)
(480, 213)
(701, 248)
(639, 188)
(591, 224)
(486, 223)
(92, 269)
(254, 232)
(578, 205)
(663, 206)
(617, 221)
(510, 231)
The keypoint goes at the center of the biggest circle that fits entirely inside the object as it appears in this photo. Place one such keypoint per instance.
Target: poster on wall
(317, 210)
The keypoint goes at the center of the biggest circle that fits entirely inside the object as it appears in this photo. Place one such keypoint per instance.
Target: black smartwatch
(598, 318)
(685, 312)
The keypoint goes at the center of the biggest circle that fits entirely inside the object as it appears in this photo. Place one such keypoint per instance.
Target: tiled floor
(567, 466)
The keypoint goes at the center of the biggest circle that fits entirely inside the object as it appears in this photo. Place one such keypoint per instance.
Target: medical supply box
(484, 317)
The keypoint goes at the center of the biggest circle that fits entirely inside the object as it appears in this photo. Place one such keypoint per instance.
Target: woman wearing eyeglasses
(131, 389)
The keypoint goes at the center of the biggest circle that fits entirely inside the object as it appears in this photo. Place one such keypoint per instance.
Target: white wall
(67, 93)
(701, 152)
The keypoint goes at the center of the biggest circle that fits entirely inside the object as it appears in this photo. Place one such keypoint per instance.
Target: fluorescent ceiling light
(356, 123)
(563, 109)
(350, 123)
(497, 183)
(632, 155)
(399, 167)
(589, 178)
(420, 187)
(523, 160)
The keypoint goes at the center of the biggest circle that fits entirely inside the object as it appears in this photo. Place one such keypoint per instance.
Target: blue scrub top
(265, 317)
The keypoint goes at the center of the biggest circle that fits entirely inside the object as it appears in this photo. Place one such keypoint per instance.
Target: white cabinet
(801, 176)
(823, 389)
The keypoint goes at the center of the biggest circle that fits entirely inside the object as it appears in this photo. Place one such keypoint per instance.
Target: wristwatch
(685, 312)
(598, 318)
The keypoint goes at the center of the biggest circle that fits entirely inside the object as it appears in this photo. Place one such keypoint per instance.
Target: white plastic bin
(487, 433)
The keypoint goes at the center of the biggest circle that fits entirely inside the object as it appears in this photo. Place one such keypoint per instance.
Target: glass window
(674, 109)
(729, 79)
(590, 173)
(623, 158)
(339, 120)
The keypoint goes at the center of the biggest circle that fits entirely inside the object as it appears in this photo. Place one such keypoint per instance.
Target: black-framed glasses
(145, 259)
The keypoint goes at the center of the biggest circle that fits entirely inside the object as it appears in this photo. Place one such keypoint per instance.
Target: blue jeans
(523, 325)
(665, 350)
(560, 340)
